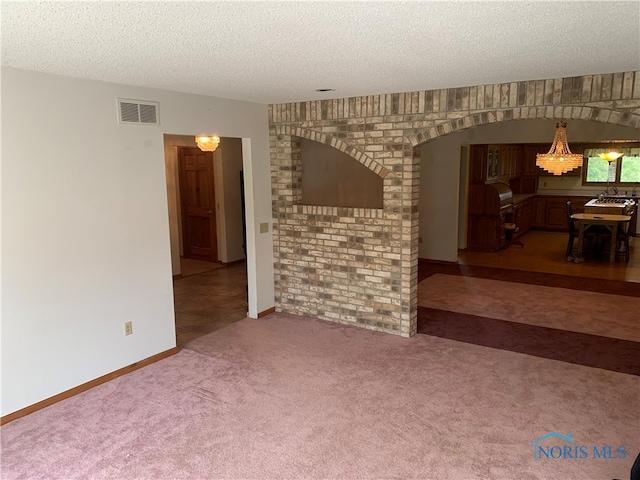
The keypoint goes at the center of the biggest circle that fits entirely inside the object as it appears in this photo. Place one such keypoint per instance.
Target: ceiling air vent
(138, 112)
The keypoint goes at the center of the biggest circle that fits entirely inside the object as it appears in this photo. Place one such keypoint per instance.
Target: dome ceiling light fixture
(207, 144)
(559, 159)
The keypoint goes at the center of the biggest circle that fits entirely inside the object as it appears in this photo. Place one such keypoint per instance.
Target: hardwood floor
(544, 252)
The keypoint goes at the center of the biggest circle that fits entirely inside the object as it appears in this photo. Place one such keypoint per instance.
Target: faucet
(614, 188)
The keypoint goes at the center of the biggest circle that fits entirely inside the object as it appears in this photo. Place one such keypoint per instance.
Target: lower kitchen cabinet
(546, 212)
(555, 214)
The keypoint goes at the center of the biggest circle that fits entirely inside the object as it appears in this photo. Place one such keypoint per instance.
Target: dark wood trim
(87, 386)
(436, 262)
(267, 312)
(177, 276)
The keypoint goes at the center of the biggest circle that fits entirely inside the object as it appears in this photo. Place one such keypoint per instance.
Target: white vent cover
(138, 112)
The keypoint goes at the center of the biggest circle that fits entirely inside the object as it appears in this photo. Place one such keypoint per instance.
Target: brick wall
(359, 266)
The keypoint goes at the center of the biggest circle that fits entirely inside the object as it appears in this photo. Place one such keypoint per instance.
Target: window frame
(612, 183)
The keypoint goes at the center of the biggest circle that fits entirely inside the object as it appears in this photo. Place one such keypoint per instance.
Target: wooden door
(197, 199)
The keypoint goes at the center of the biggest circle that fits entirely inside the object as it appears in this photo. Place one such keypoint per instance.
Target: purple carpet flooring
(562, 344)
(583, 349)
(288, 397)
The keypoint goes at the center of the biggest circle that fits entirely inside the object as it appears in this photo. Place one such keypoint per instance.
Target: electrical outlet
(128, 328)
(264, 227)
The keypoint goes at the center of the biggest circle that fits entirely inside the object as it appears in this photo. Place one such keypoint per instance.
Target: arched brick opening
(604, 115)
(336, 143)
(389, 128)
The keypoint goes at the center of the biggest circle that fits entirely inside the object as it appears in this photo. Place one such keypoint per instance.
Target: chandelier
(207, 144)
(559, 159)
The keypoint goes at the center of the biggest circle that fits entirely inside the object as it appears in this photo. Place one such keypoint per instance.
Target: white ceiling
(272, 52)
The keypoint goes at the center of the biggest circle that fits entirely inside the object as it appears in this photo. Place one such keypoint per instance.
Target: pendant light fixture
(559, 159)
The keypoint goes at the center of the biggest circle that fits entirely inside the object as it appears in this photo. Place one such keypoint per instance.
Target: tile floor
(208, 301)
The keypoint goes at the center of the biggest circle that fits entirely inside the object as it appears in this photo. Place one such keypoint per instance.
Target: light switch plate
(264, 227)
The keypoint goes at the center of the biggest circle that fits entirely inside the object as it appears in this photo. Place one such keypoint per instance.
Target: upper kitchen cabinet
(530, 169)
(510, 161)
(492, 163)
(479, 164)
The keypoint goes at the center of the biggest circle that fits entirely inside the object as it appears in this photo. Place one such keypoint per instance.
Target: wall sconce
(208, 144)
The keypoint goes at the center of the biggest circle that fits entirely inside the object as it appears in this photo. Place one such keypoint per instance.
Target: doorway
(207, 295)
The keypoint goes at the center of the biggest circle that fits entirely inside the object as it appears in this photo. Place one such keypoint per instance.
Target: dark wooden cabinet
(524, 216)
(504, 162)
(478, 164)
(530, 169)
(490, 207)
(550, 212)
(555, 214)
(513, 166)
(485, 164)
(493, 163)
(538, 216)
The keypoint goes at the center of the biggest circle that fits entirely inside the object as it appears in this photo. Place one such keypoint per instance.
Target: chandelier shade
(610, 156)
(559, 159)
(208, 144)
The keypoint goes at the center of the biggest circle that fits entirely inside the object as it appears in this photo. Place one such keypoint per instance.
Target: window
(625, 170)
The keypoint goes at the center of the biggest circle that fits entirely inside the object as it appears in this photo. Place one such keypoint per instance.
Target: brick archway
(368, 277)
(604, 115)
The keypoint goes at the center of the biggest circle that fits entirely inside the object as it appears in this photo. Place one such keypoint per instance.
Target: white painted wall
(440, 170)
(85, 226)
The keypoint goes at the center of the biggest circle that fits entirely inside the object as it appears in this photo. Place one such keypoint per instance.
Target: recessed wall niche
(333, 178)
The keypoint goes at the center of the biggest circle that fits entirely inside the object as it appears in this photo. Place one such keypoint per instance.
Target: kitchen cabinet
(555, 214)
(485, 164)
(550, 212)
(538, 216)
(504, 159)
(490, 208)
(492, 163)
(524, 216)
(478, 165)
(530, 169)
(510, 158)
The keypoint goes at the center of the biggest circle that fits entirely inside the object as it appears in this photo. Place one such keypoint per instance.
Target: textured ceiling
(271, 52)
